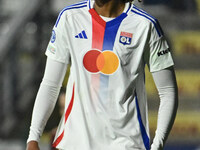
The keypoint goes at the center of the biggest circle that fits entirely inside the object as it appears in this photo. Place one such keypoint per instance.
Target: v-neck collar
(114, 21)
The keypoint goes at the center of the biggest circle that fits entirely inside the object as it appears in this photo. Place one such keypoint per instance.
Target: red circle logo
(106, 62)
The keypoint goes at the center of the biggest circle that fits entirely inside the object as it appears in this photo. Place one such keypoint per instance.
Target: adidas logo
(81, 35)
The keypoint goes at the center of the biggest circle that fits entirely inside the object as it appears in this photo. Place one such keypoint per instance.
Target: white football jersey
(106, 105)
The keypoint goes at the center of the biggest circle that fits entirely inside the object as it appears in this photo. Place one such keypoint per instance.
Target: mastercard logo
(106, 62)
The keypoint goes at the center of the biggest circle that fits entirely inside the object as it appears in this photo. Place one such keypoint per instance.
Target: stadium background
(25, 29)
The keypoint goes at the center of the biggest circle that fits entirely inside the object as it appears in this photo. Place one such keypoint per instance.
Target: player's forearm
(166, 116)
(46, 97)
(44, 105)
(168, 106)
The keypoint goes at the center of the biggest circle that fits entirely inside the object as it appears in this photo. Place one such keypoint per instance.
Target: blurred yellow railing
(186, 125)
(188, 83)
(184, 43)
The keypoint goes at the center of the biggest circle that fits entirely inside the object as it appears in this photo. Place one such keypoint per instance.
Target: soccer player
(107, 43)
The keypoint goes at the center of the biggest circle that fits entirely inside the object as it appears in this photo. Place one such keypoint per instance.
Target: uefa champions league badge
(125, 38)
(53, 36)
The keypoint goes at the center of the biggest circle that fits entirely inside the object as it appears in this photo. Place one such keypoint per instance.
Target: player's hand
(32, 145)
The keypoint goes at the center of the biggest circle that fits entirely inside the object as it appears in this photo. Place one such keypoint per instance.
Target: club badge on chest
(125, 38)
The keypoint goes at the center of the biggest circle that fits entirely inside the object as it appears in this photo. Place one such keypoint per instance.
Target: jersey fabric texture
(106, 105)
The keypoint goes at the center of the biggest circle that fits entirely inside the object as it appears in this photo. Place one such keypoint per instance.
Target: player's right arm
(58, 58)
(45, 101)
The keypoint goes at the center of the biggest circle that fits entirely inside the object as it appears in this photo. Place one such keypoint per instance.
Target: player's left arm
(157, 56)
(165, 81)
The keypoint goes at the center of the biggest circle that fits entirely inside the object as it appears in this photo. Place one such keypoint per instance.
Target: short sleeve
(58, 47)
(157, 54)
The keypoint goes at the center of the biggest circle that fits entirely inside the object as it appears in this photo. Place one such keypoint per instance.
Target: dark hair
(130, 1)
(127, 1)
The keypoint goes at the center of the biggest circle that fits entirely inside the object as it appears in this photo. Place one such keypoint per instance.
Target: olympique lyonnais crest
(125, 38)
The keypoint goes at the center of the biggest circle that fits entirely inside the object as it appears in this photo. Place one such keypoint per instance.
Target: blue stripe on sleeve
(142, 11)
(153, 18)
(155, 22)
(75, 6)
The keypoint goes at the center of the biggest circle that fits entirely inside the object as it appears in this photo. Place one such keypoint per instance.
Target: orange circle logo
(106, 62)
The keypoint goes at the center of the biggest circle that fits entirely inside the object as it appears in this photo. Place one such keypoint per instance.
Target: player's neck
(109, 8)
